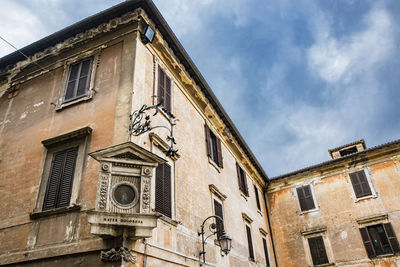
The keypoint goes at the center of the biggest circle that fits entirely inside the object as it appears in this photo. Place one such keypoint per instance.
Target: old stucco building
(76, 176)
(343, 212)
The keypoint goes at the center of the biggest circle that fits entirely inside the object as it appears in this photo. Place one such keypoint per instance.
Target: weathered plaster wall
(338, 210)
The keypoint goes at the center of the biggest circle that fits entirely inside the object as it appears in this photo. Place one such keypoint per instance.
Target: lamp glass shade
(149, 34)
(225, 243)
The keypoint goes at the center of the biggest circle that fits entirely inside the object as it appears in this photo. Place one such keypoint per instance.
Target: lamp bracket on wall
(140, 123)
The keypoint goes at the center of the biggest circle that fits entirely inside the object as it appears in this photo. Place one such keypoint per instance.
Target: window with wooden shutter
(265, 251)
(218, 211)
(164, 89)
(59, 185)
(360, 184)
(306, 200)
(379, 240)
(250, 243)
(317, 250)
(257, 197)
(242, 180)
(163, 190)
(78, 80)
(214, 150)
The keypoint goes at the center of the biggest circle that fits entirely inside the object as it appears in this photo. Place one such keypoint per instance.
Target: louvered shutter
(246, 188)
(317, 249)
(161, 86)
(265, 251)
(239, 177)
(364, 183)
(300, 196)
(59, 185)
(219, 153)
(360, 184)
(159, 189)
(394, 244)
(257, 197)
(208, 145)
(167, 191)
(250, 243)
(218, 212)
(167, 93)
(367, 243)
(67, 178)
(308, 197)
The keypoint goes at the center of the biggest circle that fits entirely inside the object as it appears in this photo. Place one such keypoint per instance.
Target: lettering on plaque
(103, 192)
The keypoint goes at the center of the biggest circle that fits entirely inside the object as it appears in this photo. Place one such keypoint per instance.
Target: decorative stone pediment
(124, 191)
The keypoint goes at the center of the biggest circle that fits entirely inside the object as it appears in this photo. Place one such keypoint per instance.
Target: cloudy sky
(296, 77)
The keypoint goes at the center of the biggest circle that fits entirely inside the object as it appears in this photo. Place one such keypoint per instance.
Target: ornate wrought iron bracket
(140, 123)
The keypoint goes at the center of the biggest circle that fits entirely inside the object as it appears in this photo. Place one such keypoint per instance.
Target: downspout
(269, 225)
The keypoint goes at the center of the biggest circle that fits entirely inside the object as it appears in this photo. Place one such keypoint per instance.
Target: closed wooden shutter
(257, 197)
(207, 134)
(250, 243)
(239, 178)
(161, 86)
(218, 212)
(394, 244)
(244, 178)
(163, 190)
(305, 198)
(367, 242)
(317, 249)
(78, 79)
(265, 251)
(167, 94)
(219, 153)
(360, 184)
(59, 185)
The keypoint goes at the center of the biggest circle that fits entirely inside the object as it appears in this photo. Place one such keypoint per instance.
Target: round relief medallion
(124, 195)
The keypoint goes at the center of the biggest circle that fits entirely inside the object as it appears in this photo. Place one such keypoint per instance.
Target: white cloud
(339, 60)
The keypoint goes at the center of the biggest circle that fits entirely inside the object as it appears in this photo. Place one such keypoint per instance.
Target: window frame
(80, 139)
(385, 226)
(250, 241)
(315, 232)
(368, 175)
(257, 197)
(91, 90)
(316, 207)
(242, 180)
(213, 148)
(158, 67)
(214, 199)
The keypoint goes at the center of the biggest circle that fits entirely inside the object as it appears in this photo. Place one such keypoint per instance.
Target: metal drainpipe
(269, 225)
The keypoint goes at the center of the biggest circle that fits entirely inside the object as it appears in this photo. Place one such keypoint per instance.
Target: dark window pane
(250, 243)
(379, 240)
(85, 68)
(257, 198)
(82, 87)
(78, 80)
(317, 249)
(70, 90)
(305, 198)
(74, 72)
(218, 212)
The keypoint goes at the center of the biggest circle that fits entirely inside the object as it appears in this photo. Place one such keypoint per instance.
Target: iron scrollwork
(140, 123)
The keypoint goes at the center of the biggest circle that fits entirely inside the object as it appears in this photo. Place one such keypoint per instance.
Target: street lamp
(224, 240)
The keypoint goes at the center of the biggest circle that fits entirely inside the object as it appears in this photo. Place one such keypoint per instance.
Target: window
(265, 251)
(59, 185)
(379, 239)
(306, 200)
(78, 80)
(250, 243)
(218, 212)
(257, 197)
(213, 147)
(164, 89)
(242, 180)
(360, 184)
(62, 170)
(163, 190)
(317, 250)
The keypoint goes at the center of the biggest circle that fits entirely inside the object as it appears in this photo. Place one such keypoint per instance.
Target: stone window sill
(214, 164)
(167, 219)
(259, 212)
(364, 198)
(324, 265)
(40, 214)
(308, 211)
(61, 105)
(244, 196)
